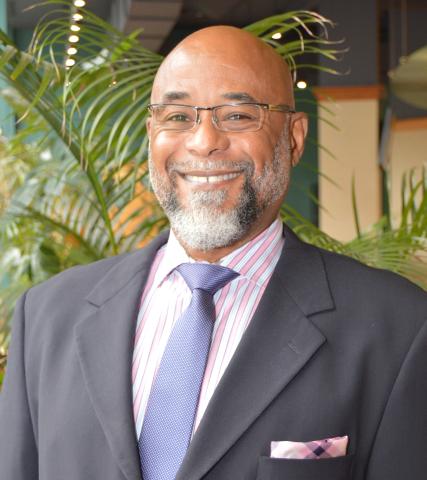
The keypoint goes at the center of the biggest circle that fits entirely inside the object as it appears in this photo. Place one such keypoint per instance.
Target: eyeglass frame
(283, 108)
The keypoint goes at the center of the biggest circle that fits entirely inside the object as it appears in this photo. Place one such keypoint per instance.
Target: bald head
(219, 186)
(227, 53)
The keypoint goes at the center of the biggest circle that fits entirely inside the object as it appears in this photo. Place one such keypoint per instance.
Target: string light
(73, 39)
(276, 36)
(301, 84)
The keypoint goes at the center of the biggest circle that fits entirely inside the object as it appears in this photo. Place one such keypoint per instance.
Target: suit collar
(303, 275)
(125, 271)
(238, 260)
(300, 265)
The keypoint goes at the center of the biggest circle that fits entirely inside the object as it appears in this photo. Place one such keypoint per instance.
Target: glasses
(231, 117)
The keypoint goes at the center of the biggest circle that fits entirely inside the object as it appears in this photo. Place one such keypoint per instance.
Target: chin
(207, 228)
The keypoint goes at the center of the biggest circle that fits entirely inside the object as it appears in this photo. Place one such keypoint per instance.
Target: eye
(237, 113)
(177, 117)
(237, 116)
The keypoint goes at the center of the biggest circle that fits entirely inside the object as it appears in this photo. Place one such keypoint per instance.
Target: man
(317, 365)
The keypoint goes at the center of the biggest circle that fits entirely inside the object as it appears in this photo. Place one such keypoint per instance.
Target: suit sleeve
(18, 451)
(399, 451)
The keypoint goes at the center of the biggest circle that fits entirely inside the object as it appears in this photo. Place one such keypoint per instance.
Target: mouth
(204, 178)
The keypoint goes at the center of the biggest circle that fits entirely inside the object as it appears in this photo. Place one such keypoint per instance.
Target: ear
(298, 132)
(148, 126)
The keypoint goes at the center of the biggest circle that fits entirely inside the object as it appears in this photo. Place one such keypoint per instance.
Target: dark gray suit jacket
(335, 348)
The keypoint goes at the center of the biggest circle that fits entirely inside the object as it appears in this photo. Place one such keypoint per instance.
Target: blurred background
(73, 146)
(371, 122)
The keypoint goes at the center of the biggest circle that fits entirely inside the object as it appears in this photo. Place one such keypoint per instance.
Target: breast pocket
(338, 468)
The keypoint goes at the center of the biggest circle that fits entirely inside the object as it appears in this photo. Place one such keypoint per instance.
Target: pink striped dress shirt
(166, 296)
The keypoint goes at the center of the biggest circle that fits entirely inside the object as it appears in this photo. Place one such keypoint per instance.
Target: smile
(203, 179)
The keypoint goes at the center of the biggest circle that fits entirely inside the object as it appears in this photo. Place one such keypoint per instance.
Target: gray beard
(203, 225)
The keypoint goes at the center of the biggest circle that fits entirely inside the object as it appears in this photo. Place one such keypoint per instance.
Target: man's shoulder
(79, 281)
(82, 276)
(350, 271)
(337, 263)
(362, 284)
(365, 307)
(55, 306)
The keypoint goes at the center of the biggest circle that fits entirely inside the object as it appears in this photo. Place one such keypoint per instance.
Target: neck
(216, 254)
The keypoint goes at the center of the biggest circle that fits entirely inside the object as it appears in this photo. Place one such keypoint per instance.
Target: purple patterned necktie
(171, 408)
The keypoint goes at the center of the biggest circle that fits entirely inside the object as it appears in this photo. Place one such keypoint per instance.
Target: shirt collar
(174, 253)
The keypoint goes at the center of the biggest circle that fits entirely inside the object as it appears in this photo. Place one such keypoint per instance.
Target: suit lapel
(105, 346)
(278, 343)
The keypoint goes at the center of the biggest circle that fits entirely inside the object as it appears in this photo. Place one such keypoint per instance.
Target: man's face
(218, 188)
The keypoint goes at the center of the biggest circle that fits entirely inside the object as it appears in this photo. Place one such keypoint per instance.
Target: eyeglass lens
(234, 118)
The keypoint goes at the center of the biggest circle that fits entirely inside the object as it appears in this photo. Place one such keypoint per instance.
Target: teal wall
(22, 37)
(7, 119)
(304, 182)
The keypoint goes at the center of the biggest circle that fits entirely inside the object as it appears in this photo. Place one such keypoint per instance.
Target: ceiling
(164, 22)
(379, 32)
(20, 15)
(236, 12)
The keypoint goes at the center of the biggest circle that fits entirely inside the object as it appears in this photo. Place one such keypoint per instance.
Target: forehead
(209, 77)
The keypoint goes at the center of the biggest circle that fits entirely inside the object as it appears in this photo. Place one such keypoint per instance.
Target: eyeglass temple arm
(279, 108)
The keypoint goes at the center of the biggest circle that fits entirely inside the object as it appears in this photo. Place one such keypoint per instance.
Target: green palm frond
(97, 110)
(76, 186)
(401, 248)
(73, 182)
(89, 107)
(311, 32)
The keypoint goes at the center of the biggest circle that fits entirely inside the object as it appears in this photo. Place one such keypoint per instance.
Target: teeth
(211, 178)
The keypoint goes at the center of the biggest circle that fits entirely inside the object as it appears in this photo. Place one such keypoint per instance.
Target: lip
(209, 177)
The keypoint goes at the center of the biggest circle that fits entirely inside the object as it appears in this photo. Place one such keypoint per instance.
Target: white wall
(408, 150)
(355, 113)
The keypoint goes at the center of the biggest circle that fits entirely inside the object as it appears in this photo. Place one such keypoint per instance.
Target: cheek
(162, 147)
(260, 149)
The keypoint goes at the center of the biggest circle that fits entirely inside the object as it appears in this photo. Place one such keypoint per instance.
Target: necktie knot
(206, 276)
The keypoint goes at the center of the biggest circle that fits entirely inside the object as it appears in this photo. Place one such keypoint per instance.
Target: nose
(205, 139)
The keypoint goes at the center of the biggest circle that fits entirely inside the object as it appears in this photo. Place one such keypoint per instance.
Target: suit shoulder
(356, 267)
(80, 275)
(77, 282)
(369, 284)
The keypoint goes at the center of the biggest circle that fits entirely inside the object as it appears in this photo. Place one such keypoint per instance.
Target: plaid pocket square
(326, 448)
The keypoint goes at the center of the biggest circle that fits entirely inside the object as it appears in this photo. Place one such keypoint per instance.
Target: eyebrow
(234, 96)
(174, 95)
(239, 97)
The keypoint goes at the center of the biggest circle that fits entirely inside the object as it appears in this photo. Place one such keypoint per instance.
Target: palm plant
(83, 192)
(399, 246)
(75, 185)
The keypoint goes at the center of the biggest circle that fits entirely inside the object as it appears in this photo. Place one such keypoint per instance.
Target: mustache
(210, 165)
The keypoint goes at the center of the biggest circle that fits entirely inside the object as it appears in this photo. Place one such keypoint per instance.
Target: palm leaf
(90, 199)
(401, 249)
